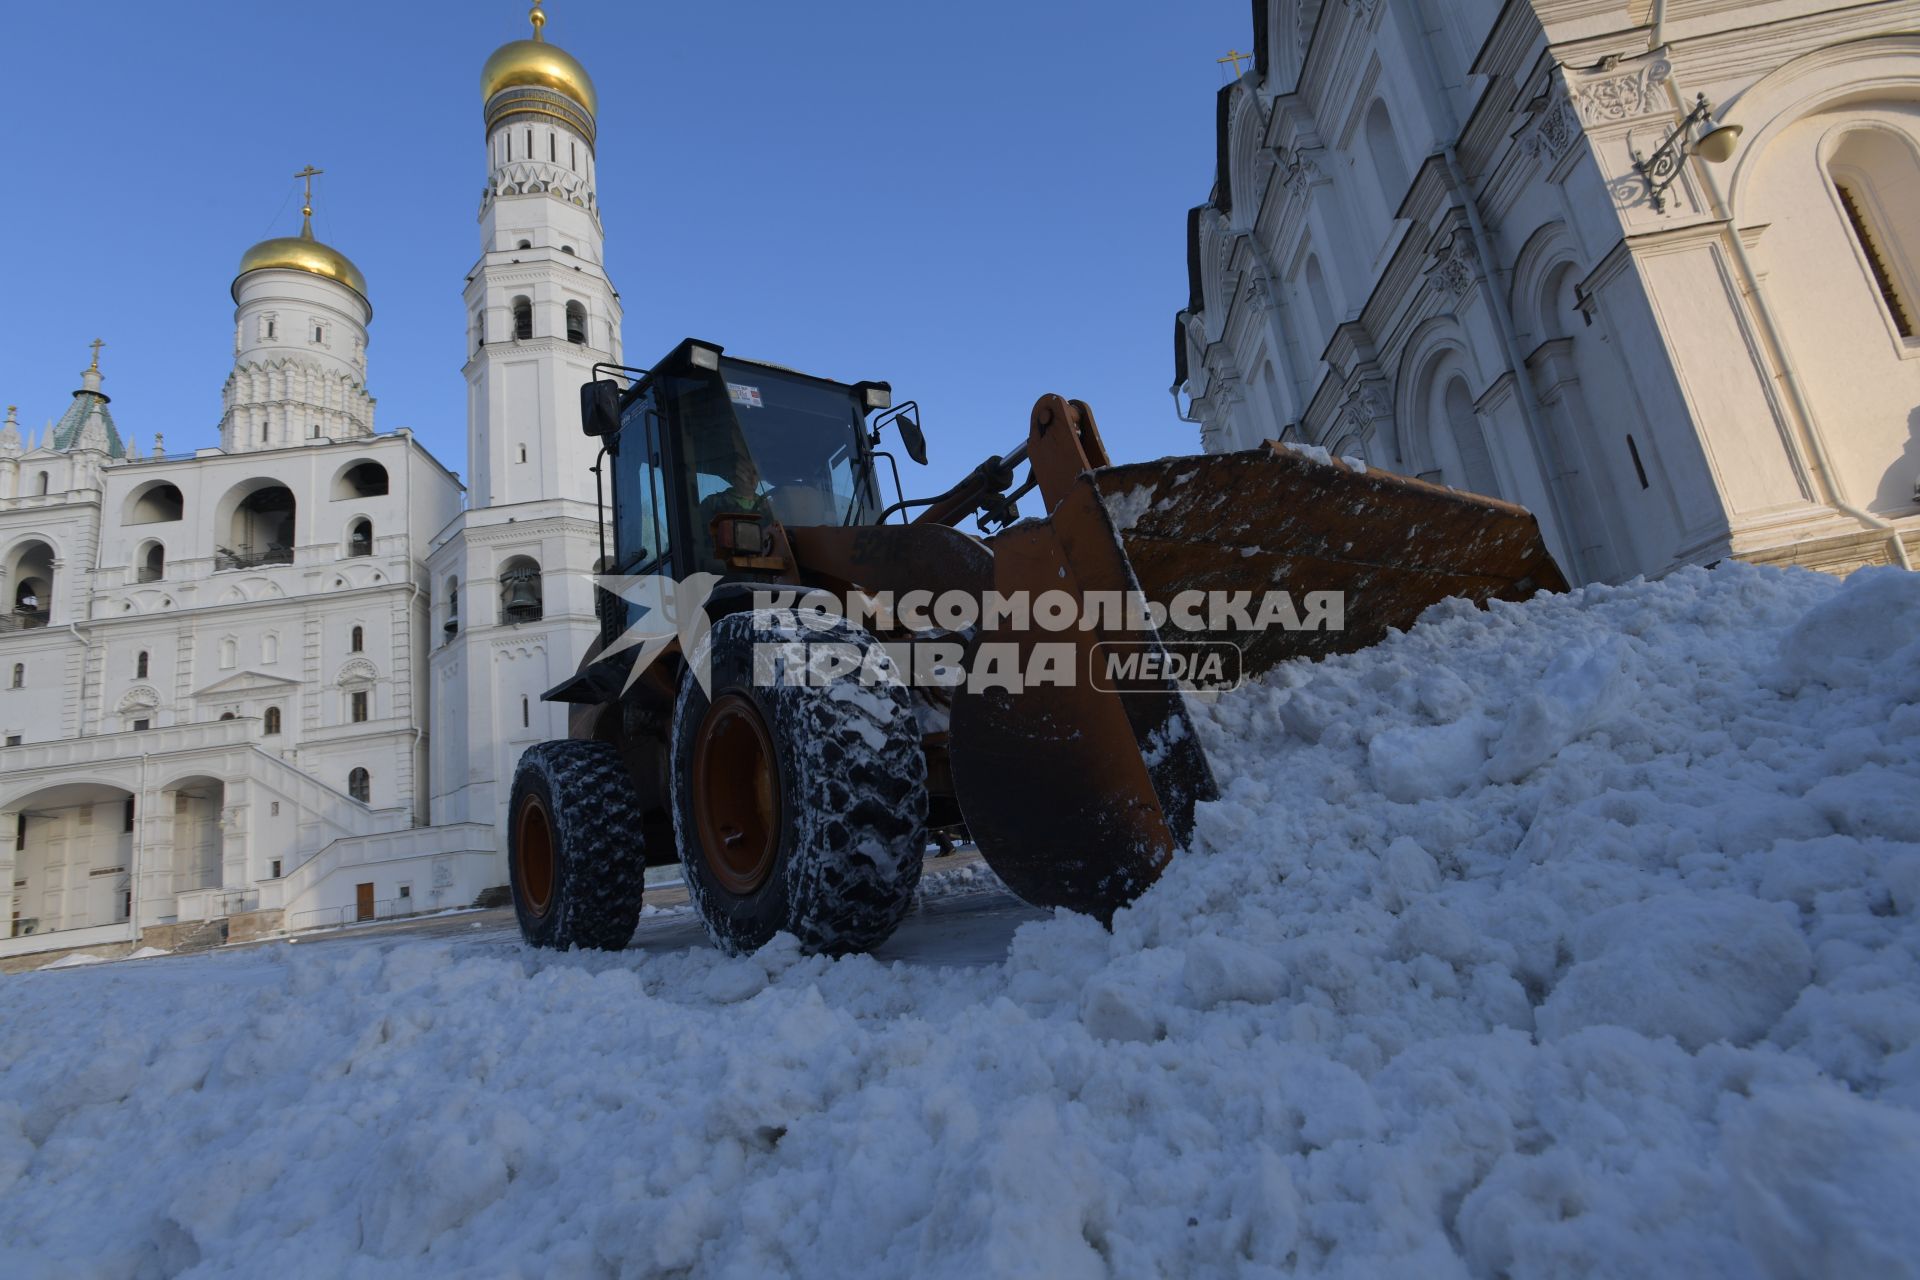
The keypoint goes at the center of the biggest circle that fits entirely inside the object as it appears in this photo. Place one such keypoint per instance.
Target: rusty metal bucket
(1078, 795)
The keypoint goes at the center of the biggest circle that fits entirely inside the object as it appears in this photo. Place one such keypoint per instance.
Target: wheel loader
(1051, 729)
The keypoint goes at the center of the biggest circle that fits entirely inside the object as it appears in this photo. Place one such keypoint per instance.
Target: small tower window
(272, 328)
(526, 713)
(357, 640)
(524, 244)
(19, 675)
(523, 453)
(576, 323)
(553, 145)
(272, 718)
(45, 481)
(140, 666)
(358, 706)
(360, 785)
(360, 538)
(522, 317)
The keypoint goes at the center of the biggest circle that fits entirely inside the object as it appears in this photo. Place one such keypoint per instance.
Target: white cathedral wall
(1656, 371)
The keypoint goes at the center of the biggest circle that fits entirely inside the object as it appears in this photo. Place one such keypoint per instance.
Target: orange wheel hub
(736, 794)
(533, 869)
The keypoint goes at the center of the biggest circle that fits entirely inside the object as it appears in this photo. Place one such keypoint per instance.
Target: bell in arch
(523, 592)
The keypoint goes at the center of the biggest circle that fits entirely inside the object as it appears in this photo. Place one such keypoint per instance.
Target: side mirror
(600, 407)
(915, 440)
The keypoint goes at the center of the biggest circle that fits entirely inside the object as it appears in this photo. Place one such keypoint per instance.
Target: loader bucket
(1079, 794)
(1274, 519)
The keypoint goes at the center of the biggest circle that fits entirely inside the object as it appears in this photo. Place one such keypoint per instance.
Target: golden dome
(303, 253)
(540, 65)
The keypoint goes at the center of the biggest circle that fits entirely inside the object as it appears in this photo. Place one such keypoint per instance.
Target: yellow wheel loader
(798, 685)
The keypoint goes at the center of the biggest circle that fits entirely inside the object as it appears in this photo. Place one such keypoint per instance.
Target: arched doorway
(71, 847)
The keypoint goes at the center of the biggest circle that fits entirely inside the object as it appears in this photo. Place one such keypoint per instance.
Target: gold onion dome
(303, 253)
(536, 64)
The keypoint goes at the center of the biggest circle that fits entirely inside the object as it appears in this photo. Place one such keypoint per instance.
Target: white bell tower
(540, 309)
(512, 588)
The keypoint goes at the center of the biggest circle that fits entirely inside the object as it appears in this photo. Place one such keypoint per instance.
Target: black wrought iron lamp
(1662, 169)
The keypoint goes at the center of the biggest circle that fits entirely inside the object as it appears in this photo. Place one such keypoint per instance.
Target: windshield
(802, 446)
(747, 438)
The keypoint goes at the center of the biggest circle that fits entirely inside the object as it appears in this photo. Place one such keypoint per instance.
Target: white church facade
(282, 681)
(1650, 268)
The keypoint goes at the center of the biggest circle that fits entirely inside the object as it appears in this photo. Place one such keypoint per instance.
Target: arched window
(45, 481)
(360, 538)
(1469, 441)
(31, 568)
(576, 323)
(356, 640)
(156, 503)
(361, 480)
(521, 596)
(19, 675)
(453, 607)
(1876, 175)
(524, 244)
(1389, 165)
(140, 666)
(229, 652)
(226, 715)
(272, 719)
(522, 317)
(260, 530)
(360, 785)
(153, 563)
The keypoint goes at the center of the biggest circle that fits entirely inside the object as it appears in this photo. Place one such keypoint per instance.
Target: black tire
(583, 889)
(833, 855)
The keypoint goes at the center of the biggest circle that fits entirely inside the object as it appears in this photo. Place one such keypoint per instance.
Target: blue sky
(980, 203)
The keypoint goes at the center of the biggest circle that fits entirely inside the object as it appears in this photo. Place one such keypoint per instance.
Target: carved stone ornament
(1361, 410)
(1623, 96)
(1554, 130)
(1452, 266)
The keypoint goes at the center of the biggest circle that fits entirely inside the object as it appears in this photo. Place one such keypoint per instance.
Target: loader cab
(705, 443)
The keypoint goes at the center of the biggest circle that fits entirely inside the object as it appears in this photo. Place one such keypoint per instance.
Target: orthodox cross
(96, 344)
(1236, 57)
(307, 175)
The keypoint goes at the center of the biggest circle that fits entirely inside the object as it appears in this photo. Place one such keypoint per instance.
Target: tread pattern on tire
(855, 782)
(599, 861)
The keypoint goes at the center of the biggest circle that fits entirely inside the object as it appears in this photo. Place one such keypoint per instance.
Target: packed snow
(1579, 938)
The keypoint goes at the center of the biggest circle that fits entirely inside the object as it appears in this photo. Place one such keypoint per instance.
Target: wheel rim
(533, 868)
(736, 794)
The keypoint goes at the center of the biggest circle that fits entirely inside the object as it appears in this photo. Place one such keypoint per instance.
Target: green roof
(87, 405)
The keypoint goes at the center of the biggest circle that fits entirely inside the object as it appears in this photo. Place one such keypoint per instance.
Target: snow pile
(1578, 938)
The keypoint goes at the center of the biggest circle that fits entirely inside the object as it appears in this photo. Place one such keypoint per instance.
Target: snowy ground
(1574, 939)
